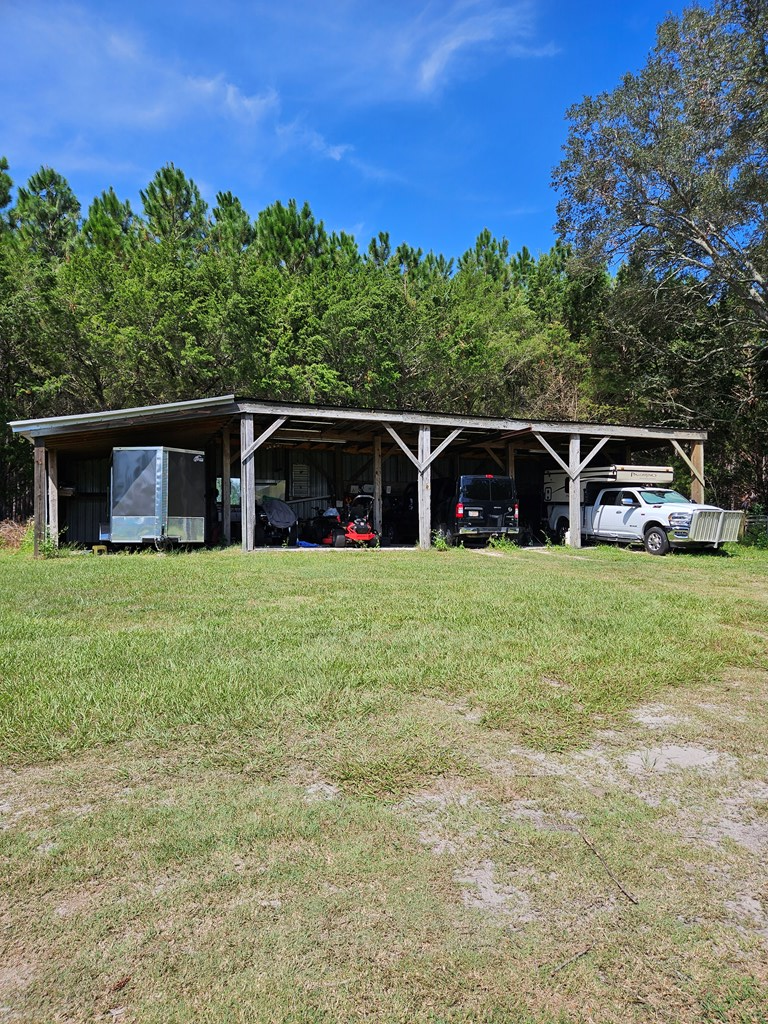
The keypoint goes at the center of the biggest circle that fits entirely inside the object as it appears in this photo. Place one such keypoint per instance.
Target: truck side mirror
(628, 501)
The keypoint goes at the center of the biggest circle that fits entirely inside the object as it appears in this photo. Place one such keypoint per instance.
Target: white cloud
(121, 46)
(78, 70)
(86, 72)
(222, 97)
(503, 30)
(297, 135)
(401, 51)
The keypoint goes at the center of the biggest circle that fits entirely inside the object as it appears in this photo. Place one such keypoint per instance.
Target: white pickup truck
(636, 505)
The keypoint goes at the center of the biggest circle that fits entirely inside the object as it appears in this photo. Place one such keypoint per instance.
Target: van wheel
(655, 541)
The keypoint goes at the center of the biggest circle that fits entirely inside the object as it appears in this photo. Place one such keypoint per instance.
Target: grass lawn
(315, 786)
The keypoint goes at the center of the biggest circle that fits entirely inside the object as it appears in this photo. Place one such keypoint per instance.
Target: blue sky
(428, 120)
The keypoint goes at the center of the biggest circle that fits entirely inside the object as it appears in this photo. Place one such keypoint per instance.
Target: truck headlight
(680, 519)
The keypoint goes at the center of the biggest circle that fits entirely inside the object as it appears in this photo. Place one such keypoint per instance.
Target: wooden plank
(511, 452)
(264, 436)
(585, 462)
(574, 490)
(377, 478)
(398, 440)
(697, 484)
(494, 456)
(696, 468)
(561, 463)
(53, 497)
(431, 456)
(226, 485)
(40, 482)
(425, 489)
(247, 483)
(469, 422)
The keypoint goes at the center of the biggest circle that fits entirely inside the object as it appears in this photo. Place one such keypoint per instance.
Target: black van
(477, 508)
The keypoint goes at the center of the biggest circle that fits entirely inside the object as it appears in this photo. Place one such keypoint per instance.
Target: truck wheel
(655, 541)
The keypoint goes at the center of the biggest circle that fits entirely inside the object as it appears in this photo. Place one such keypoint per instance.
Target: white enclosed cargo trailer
(156, 495)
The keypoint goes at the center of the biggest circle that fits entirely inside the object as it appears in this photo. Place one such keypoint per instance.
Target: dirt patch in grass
(465, 895)
(672, 757)
(448, 840)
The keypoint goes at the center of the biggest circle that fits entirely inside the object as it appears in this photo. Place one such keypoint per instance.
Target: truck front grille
(715, 526)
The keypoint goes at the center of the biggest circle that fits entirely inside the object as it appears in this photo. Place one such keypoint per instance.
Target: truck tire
(655, 541)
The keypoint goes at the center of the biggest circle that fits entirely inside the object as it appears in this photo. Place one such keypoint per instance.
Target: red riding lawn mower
(350, 528)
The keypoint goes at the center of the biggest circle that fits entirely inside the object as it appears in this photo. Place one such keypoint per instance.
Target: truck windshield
(663, 497)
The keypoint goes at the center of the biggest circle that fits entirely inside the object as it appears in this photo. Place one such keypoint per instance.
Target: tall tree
(673, 164)
(174, 208)
(289, 237)
(406, 262)
(490, 256)
(232, 230)
(379, 249)
(110, 222)
(47, 213)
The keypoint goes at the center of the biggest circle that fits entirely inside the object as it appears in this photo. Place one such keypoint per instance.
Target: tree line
(664, 181)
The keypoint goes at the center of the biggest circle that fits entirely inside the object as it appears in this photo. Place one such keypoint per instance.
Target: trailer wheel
(655, 541)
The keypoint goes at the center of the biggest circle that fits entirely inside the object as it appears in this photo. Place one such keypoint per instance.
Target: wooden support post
(53, 497)
(696, 466)
(40, 496)
(697, 480)
(377, 511)
(425, 488)
(226, 485)
(511, 460)
(211, 453)
(247, 482)
(574, 490)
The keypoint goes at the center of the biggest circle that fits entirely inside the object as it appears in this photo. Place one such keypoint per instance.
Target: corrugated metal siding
(82, 513)
(320, 481)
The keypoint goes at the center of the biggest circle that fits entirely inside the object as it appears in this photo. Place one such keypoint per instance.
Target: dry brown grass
(12, 533)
